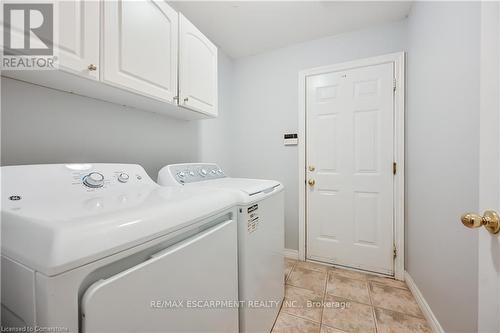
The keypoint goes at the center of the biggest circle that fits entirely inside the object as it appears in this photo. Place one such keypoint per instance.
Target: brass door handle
(490, 220)
(311, 182)
(92, 67)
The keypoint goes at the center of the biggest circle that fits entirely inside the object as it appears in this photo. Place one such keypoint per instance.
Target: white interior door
(140, 45)
(489, 244)
(78, 41)
(350, 154)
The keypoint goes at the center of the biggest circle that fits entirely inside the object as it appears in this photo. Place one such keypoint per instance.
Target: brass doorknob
(490, 220)
(311, 182)
(92, 67)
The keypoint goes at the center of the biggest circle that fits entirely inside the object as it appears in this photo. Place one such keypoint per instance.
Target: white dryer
(103, 248)
(260, 237)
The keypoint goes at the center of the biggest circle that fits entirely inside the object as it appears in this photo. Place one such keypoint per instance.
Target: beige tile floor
(323, 299)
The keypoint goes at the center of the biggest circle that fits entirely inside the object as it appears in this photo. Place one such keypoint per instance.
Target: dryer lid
(53, 222)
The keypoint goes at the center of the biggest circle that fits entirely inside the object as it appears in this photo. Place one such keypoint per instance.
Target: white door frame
(399, 106)
(489, 159)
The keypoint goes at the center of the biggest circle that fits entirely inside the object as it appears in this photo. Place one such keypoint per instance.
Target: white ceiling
(243, 28)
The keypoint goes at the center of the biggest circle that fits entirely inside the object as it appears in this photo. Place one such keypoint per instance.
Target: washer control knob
(181, 174)
(203, 172)
(123, 177)
(191, 173)
(94, 180)
(219, 171)
(213, 172)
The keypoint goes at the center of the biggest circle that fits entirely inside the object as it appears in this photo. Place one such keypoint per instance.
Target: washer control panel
(193, 172)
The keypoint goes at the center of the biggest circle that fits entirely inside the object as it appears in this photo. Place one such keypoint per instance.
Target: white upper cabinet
(140, 46)
(78, 42)
(197, 69)
(137, 53)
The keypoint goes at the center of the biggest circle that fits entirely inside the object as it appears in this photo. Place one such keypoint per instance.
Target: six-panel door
(197, 69)
(350, 152)
(139, 47)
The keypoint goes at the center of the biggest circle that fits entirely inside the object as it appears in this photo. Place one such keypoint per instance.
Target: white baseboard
(292, 254)
(426, 309)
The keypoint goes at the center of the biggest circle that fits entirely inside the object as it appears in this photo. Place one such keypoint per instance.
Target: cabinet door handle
(186, 99)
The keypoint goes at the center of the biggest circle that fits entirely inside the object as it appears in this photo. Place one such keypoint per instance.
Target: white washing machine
(103, 248)
(260, 237)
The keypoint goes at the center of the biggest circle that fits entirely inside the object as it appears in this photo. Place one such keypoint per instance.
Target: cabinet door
(140, 47)
(78, 40)
(197, 69)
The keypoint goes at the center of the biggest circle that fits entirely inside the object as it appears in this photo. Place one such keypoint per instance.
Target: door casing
(488, 312)
(398, 59)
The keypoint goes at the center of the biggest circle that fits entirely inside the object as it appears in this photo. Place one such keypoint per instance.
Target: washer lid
(248, 189)
(249, 186)
(53, 222)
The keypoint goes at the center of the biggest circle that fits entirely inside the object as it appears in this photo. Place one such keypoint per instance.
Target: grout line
(310, 290)
(312, 269)
(388, 285)
(279, 312)
(302, 318)
(334, 272)
(298, 316)
(375, 319)
(284, 311)
(290, 273)
(380, 307)
(347, 277)
(369, 293)
(348, 268)
(399, 312)
(335, 328)
(354, 300)
(323, 300)
(349, 299)
(373, 307)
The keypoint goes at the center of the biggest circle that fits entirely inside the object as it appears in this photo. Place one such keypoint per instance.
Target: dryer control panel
(71, 180)
(179, 174)
(97, 176)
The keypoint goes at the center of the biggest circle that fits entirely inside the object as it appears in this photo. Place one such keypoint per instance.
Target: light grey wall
(41, 125)
(265, 105)
(442, 157)
(215, 134)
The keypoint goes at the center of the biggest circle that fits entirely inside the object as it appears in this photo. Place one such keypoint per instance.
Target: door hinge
(394, 84)
(394, 168)
(394, 251)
